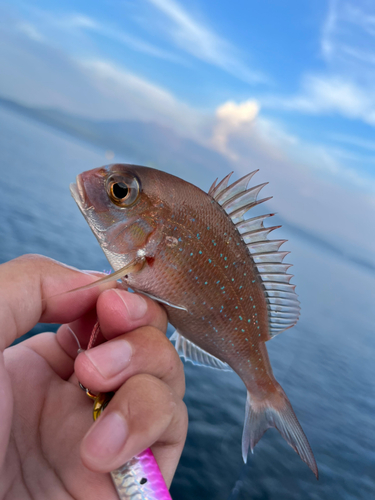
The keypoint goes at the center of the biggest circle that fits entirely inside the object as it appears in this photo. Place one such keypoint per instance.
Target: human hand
(49, 446)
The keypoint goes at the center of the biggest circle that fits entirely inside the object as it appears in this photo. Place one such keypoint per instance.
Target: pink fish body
(223, 283)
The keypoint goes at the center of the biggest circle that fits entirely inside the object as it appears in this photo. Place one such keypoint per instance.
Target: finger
(145, 350)
(120, 311)
(28, 291)
(47, 346)
(143, 412)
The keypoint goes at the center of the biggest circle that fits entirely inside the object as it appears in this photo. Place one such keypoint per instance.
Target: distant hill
(147, 143)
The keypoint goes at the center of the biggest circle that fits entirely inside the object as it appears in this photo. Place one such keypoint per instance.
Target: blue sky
(294, 76)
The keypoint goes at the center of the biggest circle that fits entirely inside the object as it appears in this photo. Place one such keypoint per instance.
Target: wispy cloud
(345, 86)
(353, 140)
(31, 31)
(87, 23)
(328, 27)
(196, 38)
(80, 29)
(326, 94)
(135, 97)
(348, 31)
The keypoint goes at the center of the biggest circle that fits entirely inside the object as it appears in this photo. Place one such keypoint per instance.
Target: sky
(289, 83)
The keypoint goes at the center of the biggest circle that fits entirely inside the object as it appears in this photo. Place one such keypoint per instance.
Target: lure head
(123, 208)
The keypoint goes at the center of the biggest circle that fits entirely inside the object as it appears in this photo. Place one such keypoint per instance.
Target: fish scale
(222, 281)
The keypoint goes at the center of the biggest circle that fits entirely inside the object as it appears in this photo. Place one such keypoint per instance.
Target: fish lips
(78, 193)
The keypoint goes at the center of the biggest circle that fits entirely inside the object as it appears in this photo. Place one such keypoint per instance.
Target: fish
(223, 283)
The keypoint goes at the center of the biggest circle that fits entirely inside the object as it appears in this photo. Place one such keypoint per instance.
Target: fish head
(123, 208)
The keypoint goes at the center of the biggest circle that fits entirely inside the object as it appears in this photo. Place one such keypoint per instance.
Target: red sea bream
(223, 283)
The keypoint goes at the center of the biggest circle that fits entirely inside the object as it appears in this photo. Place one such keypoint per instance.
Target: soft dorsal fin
(195, 354)
(237, 199)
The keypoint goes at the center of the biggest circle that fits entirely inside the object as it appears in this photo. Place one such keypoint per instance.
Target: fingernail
(135, 304)
(107, 437)
(110, 358)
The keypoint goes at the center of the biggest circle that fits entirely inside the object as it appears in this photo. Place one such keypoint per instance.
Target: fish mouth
(78, 192)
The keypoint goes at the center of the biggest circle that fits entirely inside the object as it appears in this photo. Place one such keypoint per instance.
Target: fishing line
(76, 338)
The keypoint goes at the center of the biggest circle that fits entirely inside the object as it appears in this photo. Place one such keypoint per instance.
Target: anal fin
(195, 354)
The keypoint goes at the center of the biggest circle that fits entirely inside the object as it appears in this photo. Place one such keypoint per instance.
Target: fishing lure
(140, 478)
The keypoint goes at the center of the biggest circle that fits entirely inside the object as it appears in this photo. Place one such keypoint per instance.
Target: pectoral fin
(162, 301)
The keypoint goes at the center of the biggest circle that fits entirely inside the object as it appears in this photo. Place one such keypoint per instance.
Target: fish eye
(123, 190)
(119, 191)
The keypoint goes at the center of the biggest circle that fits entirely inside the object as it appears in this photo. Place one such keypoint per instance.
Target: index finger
(29, 293)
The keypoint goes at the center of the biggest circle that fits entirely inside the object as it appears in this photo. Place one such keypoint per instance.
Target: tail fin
(275, 411)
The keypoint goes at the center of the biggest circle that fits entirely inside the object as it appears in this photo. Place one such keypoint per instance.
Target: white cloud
(230, 117)
(203, 43)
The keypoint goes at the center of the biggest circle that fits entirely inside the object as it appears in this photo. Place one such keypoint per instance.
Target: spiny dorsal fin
(237, 199)
(212, 188)
(195, 354)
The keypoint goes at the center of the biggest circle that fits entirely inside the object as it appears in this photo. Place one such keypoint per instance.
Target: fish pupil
(120, 190)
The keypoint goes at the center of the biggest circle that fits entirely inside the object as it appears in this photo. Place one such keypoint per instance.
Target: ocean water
(325, 364)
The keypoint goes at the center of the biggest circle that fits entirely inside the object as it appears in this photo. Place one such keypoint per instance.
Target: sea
(326, 364)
